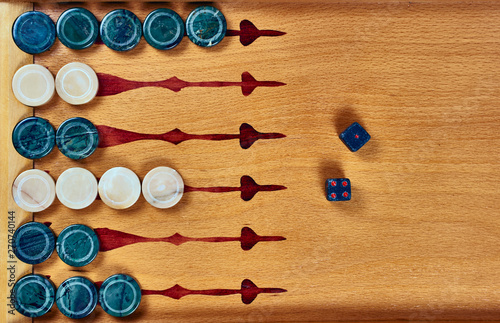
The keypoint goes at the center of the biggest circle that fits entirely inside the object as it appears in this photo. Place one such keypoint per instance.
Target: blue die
(355, 136)
(338, 189)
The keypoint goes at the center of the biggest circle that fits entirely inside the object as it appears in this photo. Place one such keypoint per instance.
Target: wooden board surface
(420, 238)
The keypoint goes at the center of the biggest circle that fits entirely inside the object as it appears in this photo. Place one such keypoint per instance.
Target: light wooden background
(420, 238)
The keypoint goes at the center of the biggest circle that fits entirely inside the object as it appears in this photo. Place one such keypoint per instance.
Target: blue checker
(163, 29)
(77, 138)
(119, 295)
(33, 295)
(76, 297)
(77, 28)
(77, 245)
(34, 32)
(338, 189)
(33, 137)
(355, 137)
(121, 30)
(33, 243)
(206, 26)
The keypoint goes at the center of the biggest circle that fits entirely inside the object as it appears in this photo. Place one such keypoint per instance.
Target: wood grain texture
(11, 112)
(420, 238)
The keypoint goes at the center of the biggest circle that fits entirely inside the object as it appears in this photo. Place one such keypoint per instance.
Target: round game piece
(163, 29)
(77, 83)
(33, 85)
(121, 30)
(34, 295)
(34, 190)
(33, 138)
(76, 188)
(77, 245)
(34, 32)
(77, 138)
(33, 243)
(206, 26)
(119, 188)
(77, 28)
(119, 295)
(76, 297)
(163, 187)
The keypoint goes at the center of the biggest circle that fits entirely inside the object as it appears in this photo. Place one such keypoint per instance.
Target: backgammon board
(252, 125)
